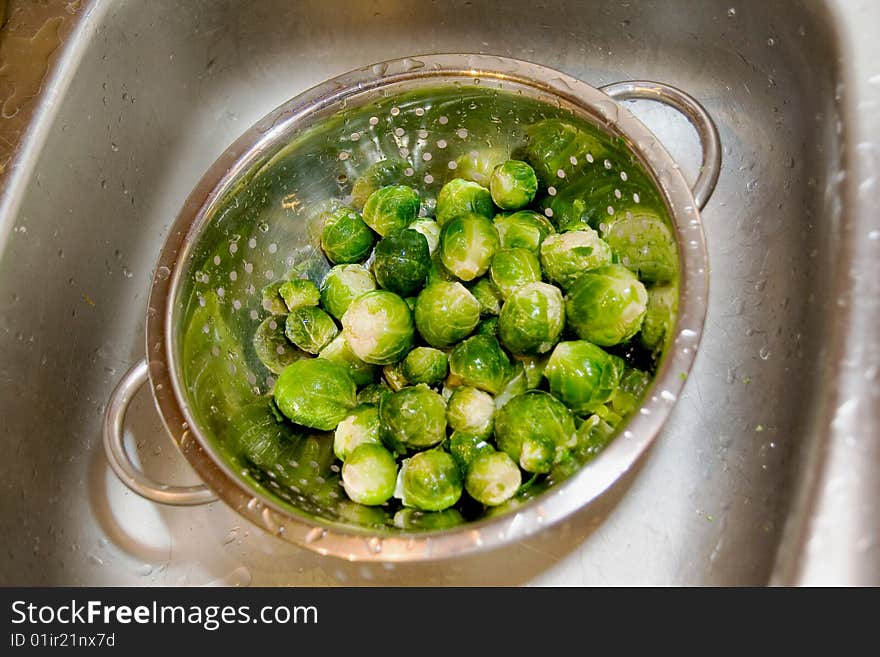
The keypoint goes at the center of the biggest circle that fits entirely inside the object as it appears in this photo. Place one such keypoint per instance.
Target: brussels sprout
(413, 418)
(608, 416)
(378, 327)
(517, 383)
(460, 197)
(513, 268)
(645, 245)
(533, 368)
(409, 518)
(583, 375)
(471, 411)
(298, 293)
(360, 426)
(477, 166)
(255, 435)
(377, 175)
(272, 301)
(629, 392)
(535, 429)
(479, 362)
(660, 316)
(272, 346)
(391, 209)
(565, 256)
(394, 376)
(465, 447)
(606, 306)
(488, 296)
(488, 326)
(513, 185)
(345, 237)
(467, 245)
(342, 285)
(315, 393)
(340, 353)
(373, 393)
(369, 475)
(445, 313)
(401, 262)
(429, 481)
(592, 437)
(310, 329)
(553, 143)
(525, 229)
(531, 319)
(430, 230)
(492, 478)
(425, 365)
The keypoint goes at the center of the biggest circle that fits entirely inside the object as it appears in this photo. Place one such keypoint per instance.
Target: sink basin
(744, 484)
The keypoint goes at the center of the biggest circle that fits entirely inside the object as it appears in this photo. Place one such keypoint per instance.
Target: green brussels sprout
(629, 392)
(310, 329)
(315, 393)
(551, 145)
(479, 362)
(525, 229)
(391, 209)
(413, 418)
(467, 245)
(394, 376)
(342, 285)
(644, 244)
(492, 478)
(345, 237)
(606, 306)
(429, 481)
(488, 296)
(298, 293)
(535, 429)
(369, 475)
(477, 166)
(360, 426)
(471, 411)
(430, 230)
(565, 256)
(513, 185)
(488, 326)
(340, 353)
(272, 346)
(409, 518)
(608, 416)
(513, 268)
(272, 301)
(378, 327)
(376, 176)
(460, 197)
(660, 315)
(373, 393)
(592, 437)
(465, 447)
(531, 319)
(445, 313)
(256, 436)
(437, 272)
(582, 375)
(401, 262)
(425, 365)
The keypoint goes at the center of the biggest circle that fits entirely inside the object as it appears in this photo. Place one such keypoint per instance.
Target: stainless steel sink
(770, 465)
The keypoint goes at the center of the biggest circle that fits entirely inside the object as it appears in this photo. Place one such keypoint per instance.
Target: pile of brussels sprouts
(464, 354)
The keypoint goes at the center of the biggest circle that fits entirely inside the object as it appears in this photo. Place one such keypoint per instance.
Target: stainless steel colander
(252, 219)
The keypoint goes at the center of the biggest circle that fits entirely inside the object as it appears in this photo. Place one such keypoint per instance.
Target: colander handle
(118, 457)
(694, 112)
